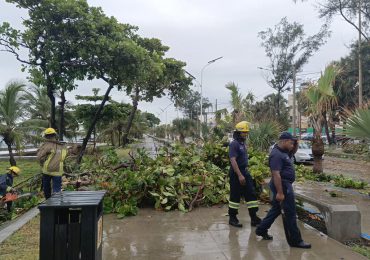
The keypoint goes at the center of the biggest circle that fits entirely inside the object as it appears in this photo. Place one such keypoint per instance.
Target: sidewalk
(205, 234)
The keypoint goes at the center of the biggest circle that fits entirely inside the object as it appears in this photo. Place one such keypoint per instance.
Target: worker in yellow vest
(51, 156)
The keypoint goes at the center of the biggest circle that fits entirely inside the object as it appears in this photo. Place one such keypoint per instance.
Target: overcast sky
(198, 31)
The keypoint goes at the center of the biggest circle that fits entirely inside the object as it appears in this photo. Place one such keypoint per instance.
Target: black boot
(233, 221)
(255, 220)
(263, 234)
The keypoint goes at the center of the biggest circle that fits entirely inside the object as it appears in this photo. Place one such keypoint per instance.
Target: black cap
(287, 136)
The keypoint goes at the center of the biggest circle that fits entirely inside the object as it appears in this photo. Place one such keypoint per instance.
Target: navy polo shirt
(280, 160)
(239, 151)
(6, 180)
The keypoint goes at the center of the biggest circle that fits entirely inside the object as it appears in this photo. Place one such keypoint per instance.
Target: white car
(304, 153)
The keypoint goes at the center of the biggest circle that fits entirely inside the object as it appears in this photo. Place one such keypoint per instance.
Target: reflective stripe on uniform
(46, 163)
(61, 164)
(234, 205)
(252, 204)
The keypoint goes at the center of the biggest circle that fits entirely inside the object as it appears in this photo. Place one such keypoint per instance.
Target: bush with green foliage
(338, 180)
(180, 177)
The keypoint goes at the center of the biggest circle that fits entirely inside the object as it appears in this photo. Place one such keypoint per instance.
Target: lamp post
(201, 92)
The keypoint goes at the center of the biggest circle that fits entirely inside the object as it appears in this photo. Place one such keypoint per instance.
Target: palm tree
(321, 99)
(263, 134)
(39, 102)
(358, 124)
(184, 127)
(236, 102)
(12, 110)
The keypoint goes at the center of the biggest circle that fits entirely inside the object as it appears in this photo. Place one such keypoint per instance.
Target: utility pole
(359, 55)
(294, 102)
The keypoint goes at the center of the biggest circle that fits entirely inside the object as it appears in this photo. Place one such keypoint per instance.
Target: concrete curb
(15, 225)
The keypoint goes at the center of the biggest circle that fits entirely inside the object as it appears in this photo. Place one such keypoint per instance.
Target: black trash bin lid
(73, 199)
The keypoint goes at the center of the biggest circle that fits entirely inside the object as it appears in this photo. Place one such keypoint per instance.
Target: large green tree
(346, 84)
(348, 10)
(265, 110)
(52, 38)
(288, 50)
(190, 105)
(159, 76)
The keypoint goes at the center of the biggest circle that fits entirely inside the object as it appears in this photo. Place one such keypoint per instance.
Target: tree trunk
(135, 102)
(182, 138)
(317, 152)
(326, 128)
(62, 120)
(11, 155)
(93, 124)
(52, 107)
(278, 105)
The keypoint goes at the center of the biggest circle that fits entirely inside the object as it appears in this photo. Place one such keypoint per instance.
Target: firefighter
(241, 183)
(6, 183)
(283, 176)
(51, 156)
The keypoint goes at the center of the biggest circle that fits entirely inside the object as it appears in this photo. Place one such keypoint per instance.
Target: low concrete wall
(343, 222)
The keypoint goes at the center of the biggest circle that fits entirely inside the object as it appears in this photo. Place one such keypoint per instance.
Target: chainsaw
(12, 196)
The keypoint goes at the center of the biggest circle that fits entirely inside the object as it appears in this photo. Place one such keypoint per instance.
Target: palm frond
(358, 124)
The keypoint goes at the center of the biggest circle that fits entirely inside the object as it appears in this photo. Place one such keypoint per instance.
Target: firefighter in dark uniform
(283, 176)
(241, 183)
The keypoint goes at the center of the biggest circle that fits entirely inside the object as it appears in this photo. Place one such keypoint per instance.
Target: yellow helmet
(49, 131)
(14, 169)
(242, 126)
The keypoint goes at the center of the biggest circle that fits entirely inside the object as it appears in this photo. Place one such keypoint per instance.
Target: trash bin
(71, 226)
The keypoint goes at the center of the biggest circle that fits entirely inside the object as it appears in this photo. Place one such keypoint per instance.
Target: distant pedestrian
(241, 183)
(283, 176)
(51, 156)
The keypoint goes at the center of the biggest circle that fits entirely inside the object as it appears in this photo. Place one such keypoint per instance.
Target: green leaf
(181, 207)
(164, 201)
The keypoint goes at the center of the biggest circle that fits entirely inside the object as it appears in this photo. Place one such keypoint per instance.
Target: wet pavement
(321, 191)
(205, 234)
(150, 145)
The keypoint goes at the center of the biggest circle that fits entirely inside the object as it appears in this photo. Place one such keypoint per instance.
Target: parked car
(307, 136)
(303, 154)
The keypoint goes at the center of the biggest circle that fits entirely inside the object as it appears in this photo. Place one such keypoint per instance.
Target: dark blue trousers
(289, 210)
(46, 184)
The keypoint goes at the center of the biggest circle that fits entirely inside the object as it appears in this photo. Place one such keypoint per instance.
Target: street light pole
(294, 106)
(359, 56)
(201, 93)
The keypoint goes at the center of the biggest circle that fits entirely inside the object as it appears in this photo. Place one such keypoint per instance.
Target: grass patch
(28, 168)
(338, 180)
(363, 250)
(123, 153)
(23, 244)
